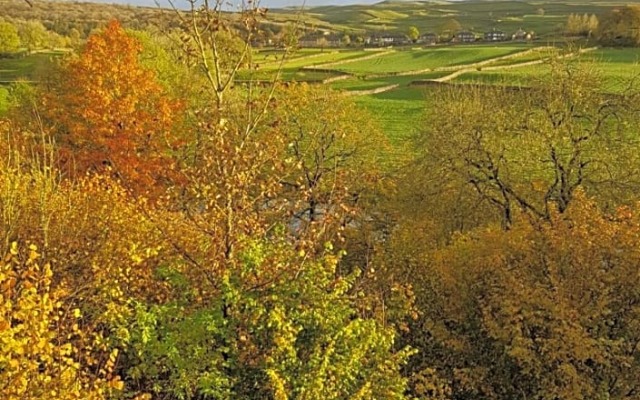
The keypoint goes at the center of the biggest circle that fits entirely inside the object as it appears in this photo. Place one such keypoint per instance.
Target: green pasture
(399, 113)
(32, 67)
(286, 74)
(431, 58)
(265, 56)
(614, 66)
(361, 83)
(534, 55)
(316, 58)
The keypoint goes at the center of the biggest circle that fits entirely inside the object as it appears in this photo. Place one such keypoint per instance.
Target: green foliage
(4, 100)
(413, 33)
(33, 35)
(298, 336)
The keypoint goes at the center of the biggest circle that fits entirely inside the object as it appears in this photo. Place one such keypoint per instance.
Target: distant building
(520, 34)
(428, 38)
(495, 36)
(464, 37)
(388, 39)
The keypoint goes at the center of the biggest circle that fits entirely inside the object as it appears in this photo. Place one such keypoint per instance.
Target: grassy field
(32, 67)
(372, 83)
(317, 57)
(615, 67)
(431, 58)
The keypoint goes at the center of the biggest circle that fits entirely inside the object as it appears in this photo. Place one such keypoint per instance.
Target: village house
(464, 37)
(521, 34)
(387, 39)
(495, 36)
(428, 38)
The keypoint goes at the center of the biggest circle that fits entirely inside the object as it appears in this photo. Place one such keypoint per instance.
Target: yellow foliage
(37, 358)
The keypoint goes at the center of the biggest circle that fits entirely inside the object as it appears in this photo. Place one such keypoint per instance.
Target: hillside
(545, 18)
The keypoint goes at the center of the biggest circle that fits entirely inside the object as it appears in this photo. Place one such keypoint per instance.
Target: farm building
(428, 38)
(521, 34)
(464, 37)
(387, 40)
(494, 36)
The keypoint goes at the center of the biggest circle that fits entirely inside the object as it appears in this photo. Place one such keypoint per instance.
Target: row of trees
(582, 25)
(619, 27)
(32, 35)
(172, 234)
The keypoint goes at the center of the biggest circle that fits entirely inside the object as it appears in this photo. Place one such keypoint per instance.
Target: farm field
(615, 66)
(431, 58)
(398, 111)
(382, 81)
(316, 57)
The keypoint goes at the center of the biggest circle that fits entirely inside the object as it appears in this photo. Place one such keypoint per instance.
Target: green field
(377, 82)
(397, 110)
(614, 66)
(317, 57)
(431, 58)
(32, 67)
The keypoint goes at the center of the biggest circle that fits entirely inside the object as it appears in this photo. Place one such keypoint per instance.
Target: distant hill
(263, 3)
(546, 18)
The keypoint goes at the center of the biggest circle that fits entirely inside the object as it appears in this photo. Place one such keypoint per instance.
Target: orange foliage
(111, 114)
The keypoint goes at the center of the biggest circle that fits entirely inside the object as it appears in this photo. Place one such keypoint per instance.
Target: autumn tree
(295, 335)
(108, 113)
(345, 40)
(584, 25)
(450, 27)
(33, 35)
(413, 34)
(9, 39)
(546, 310)
(621, 27)
(334, 158)
(534, 151)
(42, 345)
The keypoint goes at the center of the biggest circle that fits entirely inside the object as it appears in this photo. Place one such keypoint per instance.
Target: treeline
(618, 27)
(169, 234)
(63, 16)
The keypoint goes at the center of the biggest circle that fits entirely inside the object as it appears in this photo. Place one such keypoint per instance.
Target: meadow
(614, 66)
(31, 67)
